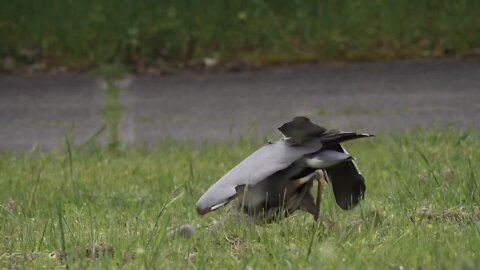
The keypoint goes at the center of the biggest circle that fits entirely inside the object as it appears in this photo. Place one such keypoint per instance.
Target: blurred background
(129, 72)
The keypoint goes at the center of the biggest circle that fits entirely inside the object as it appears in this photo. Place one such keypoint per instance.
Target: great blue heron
(276, 179)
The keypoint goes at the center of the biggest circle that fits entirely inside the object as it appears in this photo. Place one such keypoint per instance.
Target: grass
(82, 34)
(112, 110)
(94, 207)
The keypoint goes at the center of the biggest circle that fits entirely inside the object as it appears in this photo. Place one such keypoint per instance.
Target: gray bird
(275, 180)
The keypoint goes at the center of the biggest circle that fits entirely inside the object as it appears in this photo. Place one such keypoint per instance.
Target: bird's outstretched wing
(301, 129)
(257, 167)
(347, 181)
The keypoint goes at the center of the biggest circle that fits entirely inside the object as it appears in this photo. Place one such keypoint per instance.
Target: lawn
(112, 208)
(139, 34)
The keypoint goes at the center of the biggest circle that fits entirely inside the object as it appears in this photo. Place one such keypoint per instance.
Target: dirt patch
(459, 215)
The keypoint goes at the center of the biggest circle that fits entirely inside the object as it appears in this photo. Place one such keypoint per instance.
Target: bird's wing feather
(347, 182)
(334, 137)
(301, 129)
(264, 162)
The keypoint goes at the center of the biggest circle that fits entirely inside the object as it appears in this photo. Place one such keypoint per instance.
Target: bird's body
(276, 197)
(261, 165)
(278, 176)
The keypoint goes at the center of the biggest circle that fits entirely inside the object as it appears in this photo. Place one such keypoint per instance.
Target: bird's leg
(320, 188)
(294, 186)
(308, 204)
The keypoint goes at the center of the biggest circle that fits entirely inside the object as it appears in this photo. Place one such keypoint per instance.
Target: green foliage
(112, 113)
(85, 33)
(96, 208)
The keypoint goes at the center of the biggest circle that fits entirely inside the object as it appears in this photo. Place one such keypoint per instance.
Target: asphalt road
(36, 111)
